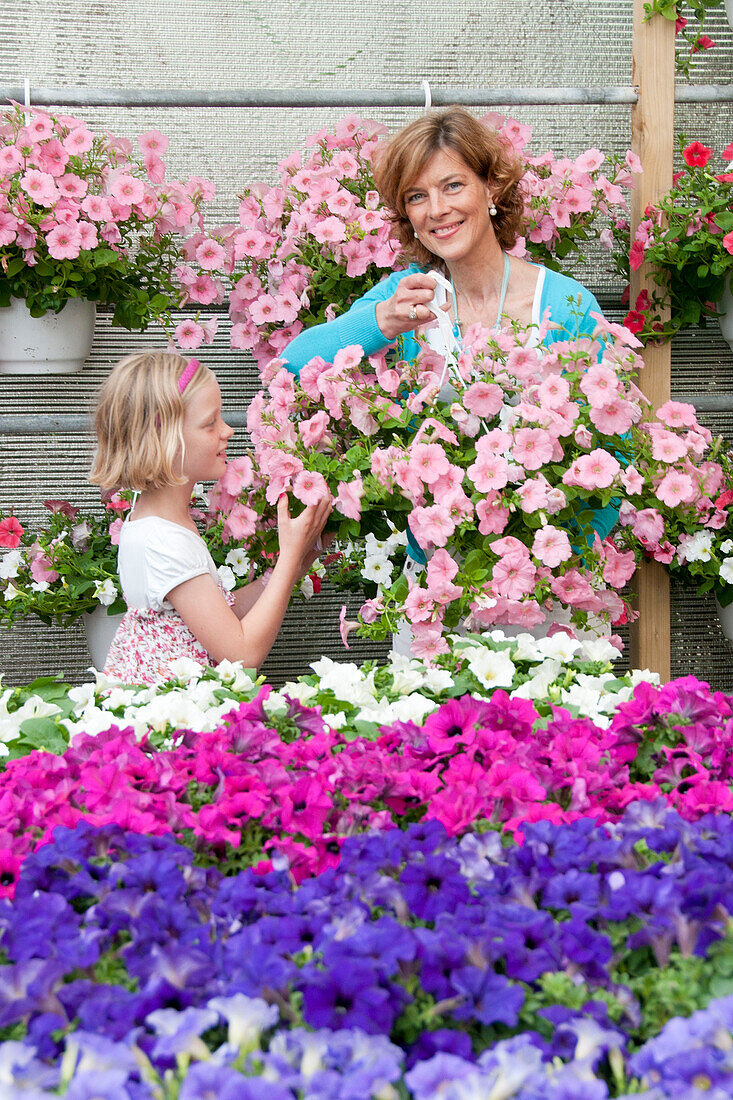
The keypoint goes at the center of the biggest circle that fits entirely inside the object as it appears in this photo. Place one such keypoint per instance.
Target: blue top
(569, 303)
(359, 324)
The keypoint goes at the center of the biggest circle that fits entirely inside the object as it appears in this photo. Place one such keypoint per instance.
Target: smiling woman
(453, 187)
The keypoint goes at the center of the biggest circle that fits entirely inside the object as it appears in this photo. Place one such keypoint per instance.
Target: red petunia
(634, 321)
(702, 43)
(636, 255)
(63, 507)
(727, 153)
(697, 155)
(10, 533)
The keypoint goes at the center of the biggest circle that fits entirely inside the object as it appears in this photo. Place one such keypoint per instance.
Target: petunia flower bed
(272, 778)
(424, 966)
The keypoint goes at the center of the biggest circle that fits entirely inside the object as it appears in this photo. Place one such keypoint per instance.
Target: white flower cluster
(545, 670)
(378, 565)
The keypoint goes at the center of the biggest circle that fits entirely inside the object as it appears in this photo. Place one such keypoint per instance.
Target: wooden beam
(652, 138)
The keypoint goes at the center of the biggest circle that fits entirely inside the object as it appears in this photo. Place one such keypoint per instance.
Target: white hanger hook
(428, 95)
(27, 93)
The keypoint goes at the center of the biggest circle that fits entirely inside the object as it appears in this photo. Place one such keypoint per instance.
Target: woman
(454, 188)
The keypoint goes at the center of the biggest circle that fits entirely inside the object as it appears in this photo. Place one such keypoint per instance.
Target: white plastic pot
(100, 628)
(57, 343)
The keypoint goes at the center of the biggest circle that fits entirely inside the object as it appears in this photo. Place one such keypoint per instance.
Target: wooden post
(652, 138)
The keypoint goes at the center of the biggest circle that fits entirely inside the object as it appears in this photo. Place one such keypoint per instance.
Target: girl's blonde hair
(454, 130)
(139, 421)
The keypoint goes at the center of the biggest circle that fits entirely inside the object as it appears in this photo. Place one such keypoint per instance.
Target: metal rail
(365, 97)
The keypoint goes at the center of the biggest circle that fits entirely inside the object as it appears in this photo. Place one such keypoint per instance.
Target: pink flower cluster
(678, 494)
(310, 244)
(499, 486)
(65, 190)
(472, 760)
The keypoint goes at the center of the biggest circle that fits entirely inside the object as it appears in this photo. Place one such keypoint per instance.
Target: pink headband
(191, 367)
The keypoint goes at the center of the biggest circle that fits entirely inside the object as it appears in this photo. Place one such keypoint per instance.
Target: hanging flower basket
(57, 343)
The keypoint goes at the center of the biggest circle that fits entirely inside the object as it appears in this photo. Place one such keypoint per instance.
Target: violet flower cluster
(256, 787)
(423, 958)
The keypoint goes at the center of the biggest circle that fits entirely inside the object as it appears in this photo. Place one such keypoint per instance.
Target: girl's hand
(298, 537)
(407, 308)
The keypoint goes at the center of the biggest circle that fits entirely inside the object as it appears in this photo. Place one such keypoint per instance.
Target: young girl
(159, 431)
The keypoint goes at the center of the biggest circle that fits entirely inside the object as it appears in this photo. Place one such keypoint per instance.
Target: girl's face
(205, 435)
(448, 207)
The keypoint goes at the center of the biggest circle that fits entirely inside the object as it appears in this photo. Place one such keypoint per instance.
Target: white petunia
(560, 645)
(726, 547)
(492, 668)
(238, 561)
(10, 564)
(247, 1018)
(185, 668)
(40, 586)
(697, 547)
(539, 683)
(227, 578)
(106, 592)
(10, 593)
(599, 649)
(726, 571)
(299, 690)
(306, 587)
(235, 675)
(378, 569)
(275, 703)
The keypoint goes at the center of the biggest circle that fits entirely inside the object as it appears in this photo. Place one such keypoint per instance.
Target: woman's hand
(299, 537)
(407, 308)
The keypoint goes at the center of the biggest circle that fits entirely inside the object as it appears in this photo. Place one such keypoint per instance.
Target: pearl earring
(414, 233)
(492, 211)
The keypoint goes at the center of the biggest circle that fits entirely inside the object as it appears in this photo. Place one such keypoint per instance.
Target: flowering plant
(688, 237)
(424, 967)
(691, 41)
(307, 247)
(69, 565)
(679, 507)
(499, 485)
(81, 217)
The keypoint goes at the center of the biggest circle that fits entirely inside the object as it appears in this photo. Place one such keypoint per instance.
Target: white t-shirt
(155, 555)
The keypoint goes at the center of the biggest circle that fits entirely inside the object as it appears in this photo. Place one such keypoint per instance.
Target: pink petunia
(10, 533)
(599, 384)
(551, 546)
(40, 186)
(676, 488)
(430, 461)
(532, 448)
(42, 569)
(432, 526)
(64, 242)
(127, 189)
(492, 514)
(418, 605)
(210, 255)
(315, 429)
(615, 417)
(79, 140)
(153, 142)
(489, 472)
(348, 498)
(677, 414)
(310, 487)
(189, 334)
(513, 575)
(632, 480)
(666, 446)
(483, 398)
(238, 475)
(240, 523)
(596, 470)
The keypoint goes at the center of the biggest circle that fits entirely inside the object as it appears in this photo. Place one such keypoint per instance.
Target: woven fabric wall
(332, 45)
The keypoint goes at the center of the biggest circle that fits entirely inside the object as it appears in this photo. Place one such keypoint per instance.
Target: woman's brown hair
(453, 129)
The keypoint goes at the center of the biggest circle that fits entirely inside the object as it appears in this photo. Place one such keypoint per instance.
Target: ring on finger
(412, 314)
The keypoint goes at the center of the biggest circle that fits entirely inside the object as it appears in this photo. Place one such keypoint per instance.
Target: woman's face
(448, 207)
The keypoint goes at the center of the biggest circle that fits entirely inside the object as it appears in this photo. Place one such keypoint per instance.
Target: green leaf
(43, 733)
